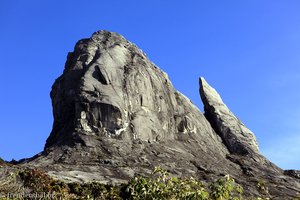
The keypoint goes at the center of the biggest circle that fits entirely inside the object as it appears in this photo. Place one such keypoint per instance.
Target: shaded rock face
(117, 115)
(293, 173)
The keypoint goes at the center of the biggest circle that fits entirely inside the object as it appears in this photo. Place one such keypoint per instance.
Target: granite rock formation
(116, 114)
(235, 135)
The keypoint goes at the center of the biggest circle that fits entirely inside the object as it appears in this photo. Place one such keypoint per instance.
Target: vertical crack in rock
(237, 138)
(99, 75)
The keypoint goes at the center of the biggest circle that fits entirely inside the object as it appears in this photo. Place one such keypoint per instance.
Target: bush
(40, 182)
(94, 190)
(37, 180)
(160, 186)
(225, 188)
(166, 187)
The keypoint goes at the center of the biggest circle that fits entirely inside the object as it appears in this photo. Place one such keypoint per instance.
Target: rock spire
(235, 135)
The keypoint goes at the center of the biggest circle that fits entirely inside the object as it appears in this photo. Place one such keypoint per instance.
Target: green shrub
(40, 182)
(94, 190)
(225, 188)
(161, 185)
(261, 185)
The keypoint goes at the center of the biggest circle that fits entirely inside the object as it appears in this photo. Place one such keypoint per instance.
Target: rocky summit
(117, 115)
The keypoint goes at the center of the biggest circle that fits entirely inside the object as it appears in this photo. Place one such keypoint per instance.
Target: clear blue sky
(248, 50)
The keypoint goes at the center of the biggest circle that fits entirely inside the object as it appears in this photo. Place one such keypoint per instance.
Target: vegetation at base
(262, 188)
(160, 186)
(39, 182)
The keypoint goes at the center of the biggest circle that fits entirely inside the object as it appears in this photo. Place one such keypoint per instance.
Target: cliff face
(110, 89)
(116, 114)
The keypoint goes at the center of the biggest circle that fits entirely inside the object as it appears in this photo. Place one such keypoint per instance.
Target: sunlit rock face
(110, 89)
(117, 115)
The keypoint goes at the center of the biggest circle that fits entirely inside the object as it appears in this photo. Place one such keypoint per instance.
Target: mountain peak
(117, 115)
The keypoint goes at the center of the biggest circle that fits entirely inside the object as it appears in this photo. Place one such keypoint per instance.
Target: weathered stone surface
(117, 115)
(292, 173)
(110, 89)
(113, 107)
(235, 135)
